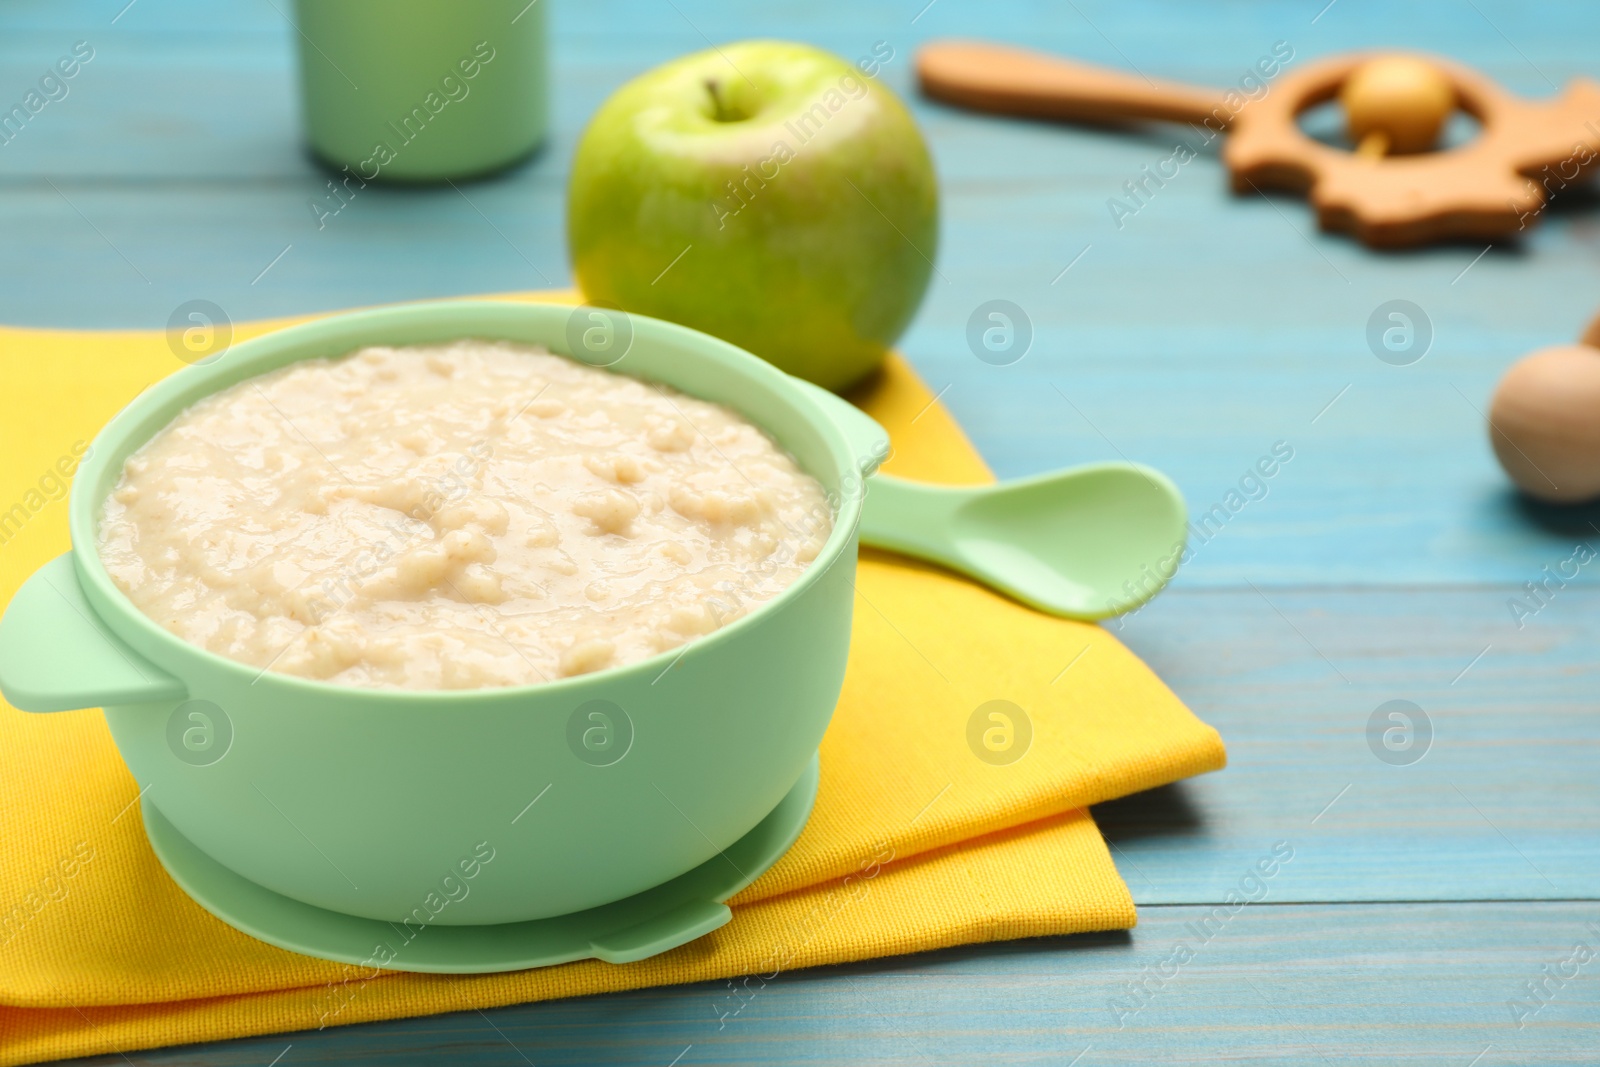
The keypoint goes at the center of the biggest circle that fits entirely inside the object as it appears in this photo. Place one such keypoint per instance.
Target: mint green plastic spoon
(1086, 543)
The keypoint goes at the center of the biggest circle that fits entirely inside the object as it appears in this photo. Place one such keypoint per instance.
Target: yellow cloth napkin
(915, 843)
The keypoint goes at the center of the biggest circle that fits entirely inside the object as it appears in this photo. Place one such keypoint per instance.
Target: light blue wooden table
(1207, 328)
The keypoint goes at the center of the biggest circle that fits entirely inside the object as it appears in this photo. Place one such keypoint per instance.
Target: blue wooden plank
(1268, 984)
(1498, 800)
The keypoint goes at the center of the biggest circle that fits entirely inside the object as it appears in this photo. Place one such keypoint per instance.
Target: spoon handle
(1017, 81)
(912, 518)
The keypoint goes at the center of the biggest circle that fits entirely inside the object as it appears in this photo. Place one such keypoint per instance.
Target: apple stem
(721, 112)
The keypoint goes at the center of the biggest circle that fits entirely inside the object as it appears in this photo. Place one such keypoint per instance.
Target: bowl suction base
(623, 931)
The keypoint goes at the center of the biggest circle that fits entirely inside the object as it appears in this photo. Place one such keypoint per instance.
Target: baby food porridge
(455, 516)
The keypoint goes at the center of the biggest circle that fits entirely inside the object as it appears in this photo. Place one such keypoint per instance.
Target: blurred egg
(1544, 423)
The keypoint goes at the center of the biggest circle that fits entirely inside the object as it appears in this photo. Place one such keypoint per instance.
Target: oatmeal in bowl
(455, 516)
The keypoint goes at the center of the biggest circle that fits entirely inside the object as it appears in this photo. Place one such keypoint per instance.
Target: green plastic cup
(420, 91)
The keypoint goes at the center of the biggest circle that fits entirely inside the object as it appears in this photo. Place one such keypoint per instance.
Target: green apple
(766, 192)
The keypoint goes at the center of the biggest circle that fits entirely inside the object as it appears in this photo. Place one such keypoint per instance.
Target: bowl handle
(868, 440)
(56, 654)
(680, 926)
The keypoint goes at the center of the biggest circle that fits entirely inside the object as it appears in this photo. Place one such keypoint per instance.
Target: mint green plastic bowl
(361, 801)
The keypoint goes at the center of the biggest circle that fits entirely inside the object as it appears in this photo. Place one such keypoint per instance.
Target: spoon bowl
(1086, 543)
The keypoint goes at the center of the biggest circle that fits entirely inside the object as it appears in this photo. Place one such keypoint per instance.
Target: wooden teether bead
(1544, 423)
(1396, 104)
(1591, 336)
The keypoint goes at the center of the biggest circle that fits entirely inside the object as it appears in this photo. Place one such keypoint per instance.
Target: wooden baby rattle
(1391, 192)
(1544, 421)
